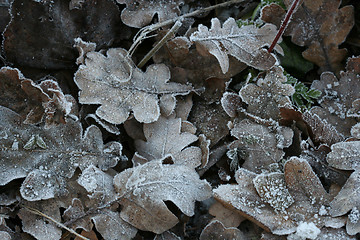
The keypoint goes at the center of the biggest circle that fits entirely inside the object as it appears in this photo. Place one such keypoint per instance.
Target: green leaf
(303, 96)
(293, 60)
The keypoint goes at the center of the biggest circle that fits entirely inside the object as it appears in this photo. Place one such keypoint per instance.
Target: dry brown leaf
(321, 130)
(187, 64)
(227, 217)
(36, 225)
(164, 137)
(310, 205)
(245, 43)
(75, 214)
(46, 157)
(338, 95)
(215, 230)
(99, 186)
(317, 159)
(141, 13)
(334, 234)
(330, 122)
(111, 226)
(35, 102)
(347, 200)
(144, 189)
(55, 105)
(319, 25)
(257, 145)
(345, 155)
(271, 188)
(167, 236)
(50, 28)
(91, 235)
(269, 94)
(83, 48)
(210, 120)
(231, 103)
(114, 82)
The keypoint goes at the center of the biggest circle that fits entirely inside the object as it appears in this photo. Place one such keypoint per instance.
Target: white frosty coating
(355, 131)
(272, 189)
(110, 225)
(259, 144)
(114, 82)
(143, 14)
(143, 190)
(245, 43)
(4, 235)
(305, 231)
(345, 155)
(354, 215)
(268, 95)
(82, 46)
(45, 170)
(164, 137)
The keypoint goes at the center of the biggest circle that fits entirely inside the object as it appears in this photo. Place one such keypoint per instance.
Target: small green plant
(303, 96)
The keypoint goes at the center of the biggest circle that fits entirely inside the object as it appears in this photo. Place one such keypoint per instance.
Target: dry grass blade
(37, 212)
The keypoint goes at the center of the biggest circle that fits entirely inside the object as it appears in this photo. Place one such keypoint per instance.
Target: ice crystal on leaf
(268, 94)
(217, 230)
(141, 13)
(45, 170)
(245, 43)
(114, 82)
(164, 137)
(259, 144)
(302, 185)
(143, 190)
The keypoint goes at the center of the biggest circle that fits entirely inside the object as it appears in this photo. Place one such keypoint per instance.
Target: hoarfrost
(143, 201)
(114, 82)
(245, 43)
(66, 149)
(165, 137)
(142, 14)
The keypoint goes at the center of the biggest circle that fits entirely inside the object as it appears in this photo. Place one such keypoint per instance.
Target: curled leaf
(140, 14)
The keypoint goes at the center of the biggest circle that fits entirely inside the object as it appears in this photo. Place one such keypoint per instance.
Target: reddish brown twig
(284, 24)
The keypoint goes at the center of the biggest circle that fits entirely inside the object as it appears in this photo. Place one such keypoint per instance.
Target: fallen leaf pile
(173, 119)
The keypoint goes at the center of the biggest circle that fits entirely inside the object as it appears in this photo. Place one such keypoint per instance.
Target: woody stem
(284, 25)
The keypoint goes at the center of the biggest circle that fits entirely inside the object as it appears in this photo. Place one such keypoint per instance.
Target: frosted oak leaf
(309, 199)
(319, 25)
(47, 157)
(245, 43)
(114, 82)
(144, 189)
(164, 137)
(268, 94)
(141, 12)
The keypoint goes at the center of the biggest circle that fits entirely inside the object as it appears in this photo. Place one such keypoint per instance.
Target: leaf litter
(212, 125)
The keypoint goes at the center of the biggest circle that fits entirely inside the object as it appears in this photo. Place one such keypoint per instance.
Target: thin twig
(37, 212)
(284, 24)
(141, 35)
(167, 36)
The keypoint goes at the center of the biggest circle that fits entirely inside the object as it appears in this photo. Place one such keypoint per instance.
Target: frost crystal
(354, 215)
(306, 231)
(272, 189)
